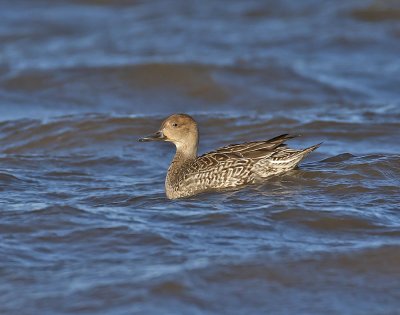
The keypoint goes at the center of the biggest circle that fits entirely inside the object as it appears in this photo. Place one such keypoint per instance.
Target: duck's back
(235, 165)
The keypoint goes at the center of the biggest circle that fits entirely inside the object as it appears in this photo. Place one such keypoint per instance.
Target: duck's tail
(310, 149)
(303, 153)
(282, 161)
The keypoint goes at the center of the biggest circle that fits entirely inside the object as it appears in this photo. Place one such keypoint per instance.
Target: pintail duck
(227, 167)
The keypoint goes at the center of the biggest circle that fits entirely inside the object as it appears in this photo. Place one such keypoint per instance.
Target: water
(85, 227)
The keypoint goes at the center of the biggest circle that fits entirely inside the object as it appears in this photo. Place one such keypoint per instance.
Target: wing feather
(238, 154)
(255, 149)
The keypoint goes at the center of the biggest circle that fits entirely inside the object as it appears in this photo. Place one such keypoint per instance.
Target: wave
(329, 221)
(195, 79)
(7, 178)
(77, 132)
(378, 11)
(59, 210)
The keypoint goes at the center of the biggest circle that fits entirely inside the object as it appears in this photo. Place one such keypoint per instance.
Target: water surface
(85, 227)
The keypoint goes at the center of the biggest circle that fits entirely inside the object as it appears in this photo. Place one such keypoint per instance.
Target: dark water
(85, 227)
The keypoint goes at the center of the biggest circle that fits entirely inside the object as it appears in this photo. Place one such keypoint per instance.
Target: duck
(229, 167)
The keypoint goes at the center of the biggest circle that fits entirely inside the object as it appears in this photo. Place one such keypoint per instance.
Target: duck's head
(180, 129)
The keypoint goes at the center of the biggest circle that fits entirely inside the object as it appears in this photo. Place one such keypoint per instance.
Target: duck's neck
(183, 157)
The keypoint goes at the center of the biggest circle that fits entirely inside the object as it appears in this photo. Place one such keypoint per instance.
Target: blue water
(85, 227)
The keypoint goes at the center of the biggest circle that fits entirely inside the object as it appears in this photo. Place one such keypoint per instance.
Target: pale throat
(185, 151)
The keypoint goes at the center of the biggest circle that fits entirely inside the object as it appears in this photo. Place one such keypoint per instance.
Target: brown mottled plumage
(227, 167)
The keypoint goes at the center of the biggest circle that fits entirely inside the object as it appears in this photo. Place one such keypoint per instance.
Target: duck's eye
(174, 125)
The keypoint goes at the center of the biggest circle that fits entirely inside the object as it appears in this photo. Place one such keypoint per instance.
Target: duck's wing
(238, 155)
(213, 161)
(255, 149)
(217, 170)
(232, 165)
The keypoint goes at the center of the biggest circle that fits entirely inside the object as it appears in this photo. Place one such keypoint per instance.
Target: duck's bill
(158, 136)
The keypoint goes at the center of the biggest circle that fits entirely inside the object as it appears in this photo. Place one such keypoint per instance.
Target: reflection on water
(85, 227)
